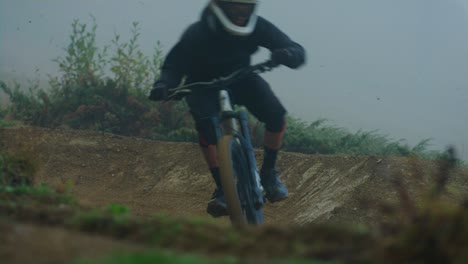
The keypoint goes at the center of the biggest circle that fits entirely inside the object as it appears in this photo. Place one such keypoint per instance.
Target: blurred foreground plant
(435, 230)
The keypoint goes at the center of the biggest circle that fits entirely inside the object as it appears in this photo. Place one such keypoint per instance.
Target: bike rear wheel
(238, 182)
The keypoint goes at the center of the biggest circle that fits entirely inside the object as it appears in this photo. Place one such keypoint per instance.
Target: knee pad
(276, 124)
(207, 131)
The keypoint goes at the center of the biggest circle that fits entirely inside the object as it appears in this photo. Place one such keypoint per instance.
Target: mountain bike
(239, 176)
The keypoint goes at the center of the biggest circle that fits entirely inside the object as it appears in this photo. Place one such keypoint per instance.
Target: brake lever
(177, 94)
(264, 67)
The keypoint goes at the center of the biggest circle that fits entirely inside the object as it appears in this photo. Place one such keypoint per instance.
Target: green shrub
(29, 107)
(153, 257)
(317, 137)
(83, 97)
(16, 169)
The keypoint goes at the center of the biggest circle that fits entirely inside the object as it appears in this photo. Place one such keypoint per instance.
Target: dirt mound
(152, 177)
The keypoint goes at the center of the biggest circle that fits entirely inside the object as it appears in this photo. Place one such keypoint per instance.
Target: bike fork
(251, 155)
(229, 124)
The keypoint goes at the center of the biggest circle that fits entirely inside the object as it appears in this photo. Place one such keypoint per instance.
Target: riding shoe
(274, 189)
(217, 204)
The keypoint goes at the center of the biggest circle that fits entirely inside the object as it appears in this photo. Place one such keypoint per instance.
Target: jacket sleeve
(174, 66)
(171, 71)
(273, 38)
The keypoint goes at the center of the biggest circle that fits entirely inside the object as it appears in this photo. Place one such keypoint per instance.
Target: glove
(281, 56)
(159, 92)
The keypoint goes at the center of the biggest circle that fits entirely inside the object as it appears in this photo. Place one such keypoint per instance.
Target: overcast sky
(396, 66)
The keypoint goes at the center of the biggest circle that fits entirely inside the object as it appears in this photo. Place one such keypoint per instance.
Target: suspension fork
(228, 118)
(229, 125)
(242, 116)
(225, 123)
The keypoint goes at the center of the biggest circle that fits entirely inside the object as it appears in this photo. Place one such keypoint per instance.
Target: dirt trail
(24, 243)
(152, 177)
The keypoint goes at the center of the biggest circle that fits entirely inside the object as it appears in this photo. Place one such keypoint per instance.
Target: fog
(396, 66)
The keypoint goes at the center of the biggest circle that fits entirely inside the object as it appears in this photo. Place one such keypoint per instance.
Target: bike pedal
(216, 210)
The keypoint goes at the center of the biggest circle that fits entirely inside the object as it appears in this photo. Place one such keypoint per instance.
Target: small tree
(84, 96)
(131, 68)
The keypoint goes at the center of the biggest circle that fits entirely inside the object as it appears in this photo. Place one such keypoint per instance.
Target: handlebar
(220, 82)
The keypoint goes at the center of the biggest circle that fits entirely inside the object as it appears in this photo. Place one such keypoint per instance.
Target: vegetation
(99, 92)
(108, 93)
(16, 169)
(153, 257)
(432, 231)
(172, 258)
(4, 123)
(319, 138)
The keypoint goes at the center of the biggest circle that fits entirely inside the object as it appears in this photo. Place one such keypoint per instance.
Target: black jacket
(206, 50)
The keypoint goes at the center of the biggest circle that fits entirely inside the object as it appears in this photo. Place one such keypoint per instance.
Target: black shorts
(254, 93)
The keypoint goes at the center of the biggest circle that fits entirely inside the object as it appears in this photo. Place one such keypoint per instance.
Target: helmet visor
(238, 13)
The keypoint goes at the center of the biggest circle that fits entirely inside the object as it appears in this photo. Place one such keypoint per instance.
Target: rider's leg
(211, 158)
(272, 143)
(210, 154)
(208, 138)
(274, 188)
(256, 94)
(204, 107)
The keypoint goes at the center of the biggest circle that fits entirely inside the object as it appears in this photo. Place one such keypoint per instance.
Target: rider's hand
(159, 92)
(281, 56)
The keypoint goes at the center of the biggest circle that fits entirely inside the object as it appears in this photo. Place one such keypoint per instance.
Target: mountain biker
(222, 41)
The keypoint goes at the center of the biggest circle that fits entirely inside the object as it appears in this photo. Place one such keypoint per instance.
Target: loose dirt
(152, 177)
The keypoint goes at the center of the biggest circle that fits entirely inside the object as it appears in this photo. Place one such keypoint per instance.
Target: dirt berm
(152, 177)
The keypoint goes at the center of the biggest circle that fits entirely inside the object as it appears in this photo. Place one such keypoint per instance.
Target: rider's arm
(171, 71)
(273, 39)
(174, 66)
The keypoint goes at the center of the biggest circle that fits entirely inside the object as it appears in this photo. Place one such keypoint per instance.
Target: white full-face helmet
(238, 17)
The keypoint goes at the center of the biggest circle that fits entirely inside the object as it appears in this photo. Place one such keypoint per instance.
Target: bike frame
(227, 120)
(231, 124)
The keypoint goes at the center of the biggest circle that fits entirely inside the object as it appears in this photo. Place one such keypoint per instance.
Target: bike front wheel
(238, 181)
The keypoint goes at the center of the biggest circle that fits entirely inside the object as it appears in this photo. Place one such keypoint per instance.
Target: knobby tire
(234, 164)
